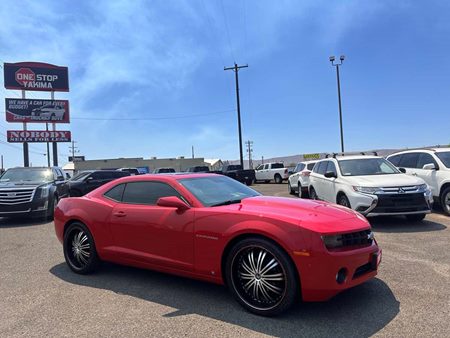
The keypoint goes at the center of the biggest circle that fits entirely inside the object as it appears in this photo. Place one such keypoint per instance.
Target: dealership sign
(36, 76)
(35, 110)
(38, 136)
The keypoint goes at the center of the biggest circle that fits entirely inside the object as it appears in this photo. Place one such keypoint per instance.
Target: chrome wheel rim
(80, 249)
(258, 278)
(344, 202)
(447, 202)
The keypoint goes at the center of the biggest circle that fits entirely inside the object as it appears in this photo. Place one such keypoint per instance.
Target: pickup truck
(271, 171)
(235, 171)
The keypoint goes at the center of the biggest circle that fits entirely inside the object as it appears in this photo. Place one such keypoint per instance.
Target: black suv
(86, 181)
(31, 191)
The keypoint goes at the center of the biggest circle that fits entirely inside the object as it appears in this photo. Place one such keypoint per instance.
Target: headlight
(366, 190)
(44, 191)
(332, 242)
(422, 187)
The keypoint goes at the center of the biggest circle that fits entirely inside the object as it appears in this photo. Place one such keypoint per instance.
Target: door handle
(414, 174)
(120, 214)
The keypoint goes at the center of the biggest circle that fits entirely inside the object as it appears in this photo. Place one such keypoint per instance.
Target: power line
(149, 118)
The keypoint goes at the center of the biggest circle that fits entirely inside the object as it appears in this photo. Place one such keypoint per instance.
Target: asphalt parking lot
(40, 296)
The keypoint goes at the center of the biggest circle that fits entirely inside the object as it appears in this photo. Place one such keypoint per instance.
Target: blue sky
(162, 60)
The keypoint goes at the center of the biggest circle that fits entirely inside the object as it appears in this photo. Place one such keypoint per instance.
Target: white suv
(370, 185)
(298, 182)
(433, 166)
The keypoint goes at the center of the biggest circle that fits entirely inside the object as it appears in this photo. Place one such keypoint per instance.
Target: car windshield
(217, 190)
(366, 166)
(444, 156)
(27, 175)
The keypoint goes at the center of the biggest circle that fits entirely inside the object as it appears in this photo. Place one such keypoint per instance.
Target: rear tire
(415, 218)
(445, 200)
(312, 194)
(79, 249)
(278, 179)
(290, 190)
(261, 277)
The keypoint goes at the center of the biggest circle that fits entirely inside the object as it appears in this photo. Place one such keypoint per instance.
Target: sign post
(37, 76)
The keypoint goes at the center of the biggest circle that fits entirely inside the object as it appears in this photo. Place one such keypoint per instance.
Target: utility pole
(192, 151)
(73, 150)
(249, 145)
(337, 65)
(236, 68)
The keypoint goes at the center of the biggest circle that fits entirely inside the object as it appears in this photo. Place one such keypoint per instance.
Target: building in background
(144, 165)
(214, 163)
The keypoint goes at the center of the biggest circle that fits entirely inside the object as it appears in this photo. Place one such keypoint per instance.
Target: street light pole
(332, 59)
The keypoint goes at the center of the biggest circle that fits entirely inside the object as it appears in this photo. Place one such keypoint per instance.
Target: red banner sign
(20, 136)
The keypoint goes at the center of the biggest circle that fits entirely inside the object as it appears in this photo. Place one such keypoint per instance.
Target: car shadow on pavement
(358, 312)
(21, 222)
(392, 224)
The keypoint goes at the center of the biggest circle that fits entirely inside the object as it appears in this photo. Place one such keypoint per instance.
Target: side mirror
(172, 202)
(330, 174)
(89, 179)
(403, 170)
(429, 166)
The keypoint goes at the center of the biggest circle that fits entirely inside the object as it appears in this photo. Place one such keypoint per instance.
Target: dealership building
(144, 165)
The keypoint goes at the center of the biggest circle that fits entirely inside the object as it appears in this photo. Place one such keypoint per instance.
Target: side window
(115, 193)
(120, 174)
(266, 166)
(147, 192)
(316, 167)
(301, 166)
(98, 175)
(331, 167)
(322, 167)
(395, 160)
(310, 166)
(409, 160)
(260, 167)
(425, 158)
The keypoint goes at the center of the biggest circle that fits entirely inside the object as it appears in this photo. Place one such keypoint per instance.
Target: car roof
(351, 157)
(427, 150)
(165, 176)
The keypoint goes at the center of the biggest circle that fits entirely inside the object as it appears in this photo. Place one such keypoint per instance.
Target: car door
(321, 184)
(428, 175)
(294, 179)
(146, 232)
(62, 188)
(329, 183)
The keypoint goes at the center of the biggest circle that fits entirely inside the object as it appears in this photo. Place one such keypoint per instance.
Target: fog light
(341, 276)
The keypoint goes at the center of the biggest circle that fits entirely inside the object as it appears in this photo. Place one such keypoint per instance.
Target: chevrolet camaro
(269, 251)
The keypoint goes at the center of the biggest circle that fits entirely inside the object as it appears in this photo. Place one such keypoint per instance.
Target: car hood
(313, 215)
(391, 180)
(12, 185)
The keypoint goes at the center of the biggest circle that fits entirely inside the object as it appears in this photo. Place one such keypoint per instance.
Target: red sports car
(269, 251)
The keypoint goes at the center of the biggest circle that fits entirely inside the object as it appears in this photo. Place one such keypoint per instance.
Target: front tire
(343, 200)
(79, 249)
(415, 218)
(445, 200)
(261, 277)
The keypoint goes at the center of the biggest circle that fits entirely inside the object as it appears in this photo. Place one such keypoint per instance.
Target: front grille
(16, 195)
(357, 238)
(401, 203)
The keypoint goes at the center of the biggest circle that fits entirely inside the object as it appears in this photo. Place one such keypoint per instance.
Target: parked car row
(407, 183)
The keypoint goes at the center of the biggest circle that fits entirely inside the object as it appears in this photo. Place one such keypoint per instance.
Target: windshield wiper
(226, 203)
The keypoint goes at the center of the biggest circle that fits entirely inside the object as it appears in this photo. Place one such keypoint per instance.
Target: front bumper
(36, 208)
(392, 204)
(319, 272)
